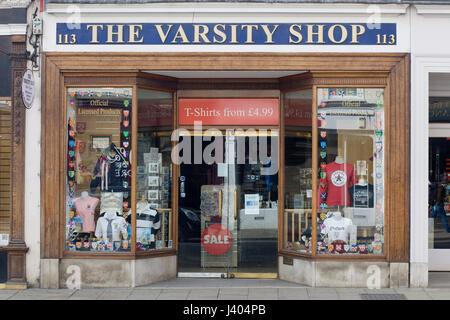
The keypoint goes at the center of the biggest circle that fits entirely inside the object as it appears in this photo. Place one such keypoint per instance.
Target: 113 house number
(385, 38)
(67, 38)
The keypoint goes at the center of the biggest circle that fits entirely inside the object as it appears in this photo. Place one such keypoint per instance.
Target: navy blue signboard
(227, 34)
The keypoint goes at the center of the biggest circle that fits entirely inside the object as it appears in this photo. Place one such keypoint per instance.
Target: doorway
(228, 208)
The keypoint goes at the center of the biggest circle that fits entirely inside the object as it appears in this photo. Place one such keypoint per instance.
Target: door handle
(220, 204)
(235, 204)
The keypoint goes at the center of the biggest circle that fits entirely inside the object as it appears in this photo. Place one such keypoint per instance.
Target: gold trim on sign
(253, 275)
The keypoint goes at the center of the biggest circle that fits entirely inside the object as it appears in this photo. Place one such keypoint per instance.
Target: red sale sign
(216, 239)
(229, 111)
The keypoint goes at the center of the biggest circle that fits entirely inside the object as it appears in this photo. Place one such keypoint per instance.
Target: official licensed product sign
(229, 111)
(227, 34)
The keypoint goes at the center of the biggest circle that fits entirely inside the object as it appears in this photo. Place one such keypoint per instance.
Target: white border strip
(12, 29)
(223, 8)
(432, 9)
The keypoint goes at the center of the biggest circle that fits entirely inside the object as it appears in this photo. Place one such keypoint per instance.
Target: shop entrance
(228, 208)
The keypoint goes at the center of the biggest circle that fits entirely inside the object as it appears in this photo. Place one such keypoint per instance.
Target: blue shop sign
(226, 34)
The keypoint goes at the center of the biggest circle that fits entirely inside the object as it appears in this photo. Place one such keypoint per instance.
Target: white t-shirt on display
(337, 228)
(118, 226)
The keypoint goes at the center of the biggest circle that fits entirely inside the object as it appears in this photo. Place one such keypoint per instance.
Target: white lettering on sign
(215, 240)
(28, 88)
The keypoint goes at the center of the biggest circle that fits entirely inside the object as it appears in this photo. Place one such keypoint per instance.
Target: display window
(154, 170)
(298, 171)
(350, 186)
(98, 179)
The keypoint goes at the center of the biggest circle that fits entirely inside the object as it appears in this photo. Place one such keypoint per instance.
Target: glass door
(228, 204)
(439, 198)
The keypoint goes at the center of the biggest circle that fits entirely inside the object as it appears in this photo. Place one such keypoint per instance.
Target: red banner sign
(228, 111)
(216, 239)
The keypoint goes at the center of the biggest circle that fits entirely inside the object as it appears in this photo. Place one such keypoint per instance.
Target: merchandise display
(351, 170)
(154, 170)
(98, 169)
(298, 175)
(339, 176)
(148, 223)
(111, 227)
(85, 207)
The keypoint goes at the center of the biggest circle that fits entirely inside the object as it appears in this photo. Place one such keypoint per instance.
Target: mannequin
(147, 220)
(110, 227)
(362, 181)
(336, 227)
(362, 193)
(109, 171)
(85, 208)
(340, 156)
(339, 176)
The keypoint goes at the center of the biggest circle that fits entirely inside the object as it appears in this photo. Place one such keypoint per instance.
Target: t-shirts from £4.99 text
(337, 229)
(85, 208)
(339, 177)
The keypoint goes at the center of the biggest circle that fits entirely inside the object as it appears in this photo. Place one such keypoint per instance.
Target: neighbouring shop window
(298, 170)
(350, 193)
(154, 170)
(98, 179)
(5, 174)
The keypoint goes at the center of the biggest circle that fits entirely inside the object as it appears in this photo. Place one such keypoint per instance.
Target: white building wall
(32, 174)
(430, 52)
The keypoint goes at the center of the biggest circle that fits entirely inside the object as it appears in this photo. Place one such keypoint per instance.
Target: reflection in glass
(439, 193)
(98, 176)
(350, 193)
(154, 170)
(298, 170)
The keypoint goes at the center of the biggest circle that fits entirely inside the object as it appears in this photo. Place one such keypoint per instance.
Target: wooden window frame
(389, 70)
(134, 81)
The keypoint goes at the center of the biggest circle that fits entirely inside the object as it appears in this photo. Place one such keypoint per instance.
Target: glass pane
(298, 171)
(5, 176)
(228, 208)
(439, 193)
(154, 166)
(351, 171)
(256, 212)
(202, 204)
(98, 176)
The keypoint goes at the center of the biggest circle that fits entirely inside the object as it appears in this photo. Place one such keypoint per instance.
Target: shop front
(193, 163)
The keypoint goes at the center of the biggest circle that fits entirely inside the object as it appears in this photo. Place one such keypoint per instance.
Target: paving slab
(350, 290)
(111, 295)
(349, 296)
(293, 294)
(232, 297)
(86, 294)
(172, 296)
(203, 294)
(263, 294)
(234, 291)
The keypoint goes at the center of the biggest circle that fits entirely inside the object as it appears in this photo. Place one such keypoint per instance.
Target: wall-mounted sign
(28, 88)
(229, 111)
(227, 34)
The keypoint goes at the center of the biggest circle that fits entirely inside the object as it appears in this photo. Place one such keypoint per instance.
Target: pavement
(237, 289)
